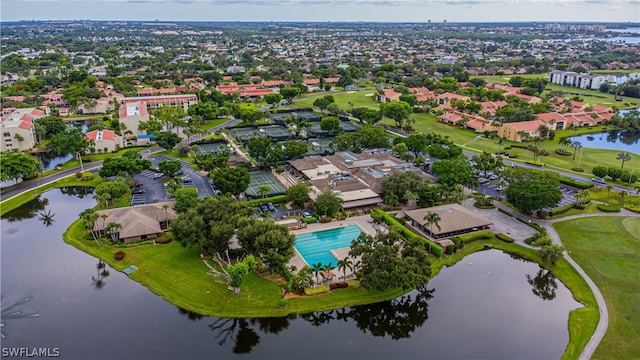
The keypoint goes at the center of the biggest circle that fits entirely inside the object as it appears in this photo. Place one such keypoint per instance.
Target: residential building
(139, 222)
(17, 129)
(521, 131)
(388, 95)
(156, 102)
(104, 141)
(131, 114)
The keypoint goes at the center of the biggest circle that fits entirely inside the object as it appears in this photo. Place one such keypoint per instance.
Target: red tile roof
(528, 126)
(103, 134)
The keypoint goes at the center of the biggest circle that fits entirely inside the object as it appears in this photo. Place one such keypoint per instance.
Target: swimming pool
(315, 247)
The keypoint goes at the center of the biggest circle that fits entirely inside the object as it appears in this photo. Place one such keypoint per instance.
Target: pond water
(611, 140)
(490, 305)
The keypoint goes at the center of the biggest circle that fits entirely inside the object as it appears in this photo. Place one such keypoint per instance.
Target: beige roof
(453, 217)
(137, 220)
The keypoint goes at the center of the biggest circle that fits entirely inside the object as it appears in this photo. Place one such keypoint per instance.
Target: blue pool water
(315, 247)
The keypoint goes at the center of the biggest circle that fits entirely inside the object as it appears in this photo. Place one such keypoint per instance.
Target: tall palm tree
(622, 195)
(113, 229)
(577, 145)
(89, 217)
(432, 219)
(609, 187)
(165, 207)
(326, 268)
(316, 268)
(343, 265)
(624, 156)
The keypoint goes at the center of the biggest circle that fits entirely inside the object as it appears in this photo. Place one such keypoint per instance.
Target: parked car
(306, 214)
(186, 179)
(178, 173)
(264, 208)
(482, 180)
(599, 181)
(136, 185)
(157, 175)
(138, 191)
(271, 207)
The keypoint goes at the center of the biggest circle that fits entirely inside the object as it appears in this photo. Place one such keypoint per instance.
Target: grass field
(607, 248)
(343, 99)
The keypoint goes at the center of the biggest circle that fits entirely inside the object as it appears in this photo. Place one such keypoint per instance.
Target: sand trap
(369, 94)
(351, 92)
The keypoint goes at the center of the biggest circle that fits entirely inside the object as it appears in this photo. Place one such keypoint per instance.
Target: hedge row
(311, 220)
(506, 212)
(317, 290)
(279, 199)
(608, 208)
(505, 238)
(474, 236)
(532, 224)
(436, 249)
(575, 183)
(561, 209)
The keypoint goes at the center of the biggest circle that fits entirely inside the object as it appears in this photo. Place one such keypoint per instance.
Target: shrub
(436, 249)
(118, 255)
(280, 169)
(575, 183)
(633, 208)
(79, 175)
(506, 212)
(533, 225)
(325, 220)
(164, 239)
(279, 199)
(561, 210)
(577, 169)
(311, 220)
(505, 238)
(317, 290)
(600, 171)
(456, 240)
(608, 208)
(479, 205)
(512, 156)
(87, 177)
(353, 283)
(543, 213)
(627, 177)
(535, 163)
(563, 152)
(283, 303)
(474, 236)
(339, 285)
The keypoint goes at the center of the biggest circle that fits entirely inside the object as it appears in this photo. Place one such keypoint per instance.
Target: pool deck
(364, 222)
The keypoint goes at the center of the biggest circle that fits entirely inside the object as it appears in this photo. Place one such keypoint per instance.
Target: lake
(490, 305)
(611, 140)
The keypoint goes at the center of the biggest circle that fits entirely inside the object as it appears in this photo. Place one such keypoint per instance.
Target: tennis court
(279, 118)
(209, 148)
(259, 178)
(320, 146)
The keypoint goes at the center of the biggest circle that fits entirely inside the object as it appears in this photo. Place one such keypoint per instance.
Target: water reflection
(98, 279)
(611, 140)
(46, 217)
(77, 191)
(237, 331)
(543, 285)
(28, 210)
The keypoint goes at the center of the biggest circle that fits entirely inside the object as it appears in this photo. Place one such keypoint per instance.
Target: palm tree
(432, 219)
(623, 156)
(343, 265)
(609, 187)
(89, 217)
(19, 138)
(564, 141)
(113, 229)
(316, 268)
(410, 197)
(622, 195)
(264, 190)
(577, 145)
(582, 196)
(524, 136)
(326, 269)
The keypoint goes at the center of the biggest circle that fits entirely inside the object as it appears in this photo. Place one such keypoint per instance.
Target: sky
(324, 10)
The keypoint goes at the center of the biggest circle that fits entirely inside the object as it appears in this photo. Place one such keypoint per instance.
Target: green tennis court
(259, 178)
(212, 148)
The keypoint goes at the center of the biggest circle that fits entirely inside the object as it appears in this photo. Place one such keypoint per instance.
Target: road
(32, 184)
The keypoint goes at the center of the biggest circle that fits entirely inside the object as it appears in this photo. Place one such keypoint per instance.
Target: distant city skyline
(325, 10)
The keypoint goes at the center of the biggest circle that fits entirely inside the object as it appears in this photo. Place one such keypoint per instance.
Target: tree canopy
(391, 261)
(231, 180)
(398, 111)
(19, 166)
(532, 194)
(400, 182)
(328, 203)
(130, 163)
(298, 193)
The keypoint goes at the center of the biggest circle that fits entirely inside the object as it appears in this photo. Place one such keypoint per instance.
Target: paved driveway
(502, 223)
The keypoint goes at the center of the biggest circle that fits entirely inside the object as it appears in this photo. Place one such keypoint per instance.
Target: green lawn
(179, 276)
(343, 99)
(213, 123)
(608, 249)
